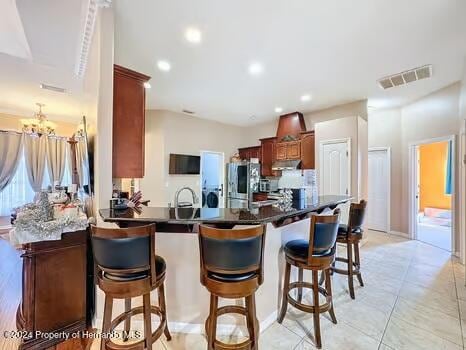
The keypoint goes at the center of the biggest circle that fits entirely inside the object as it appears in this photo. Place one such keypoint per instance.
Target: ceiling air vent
(405, 77)
(187, 111)
(52, 88)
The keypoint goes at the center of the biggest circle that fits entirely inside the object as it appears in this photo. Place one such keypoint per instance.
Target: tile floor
(414, 298)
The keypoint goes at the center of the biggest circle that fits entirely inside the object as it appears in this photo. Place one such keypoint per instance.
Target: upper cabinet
(129, 99)
(246, 153)
(308, 150)
(290, 150)
(268, 153)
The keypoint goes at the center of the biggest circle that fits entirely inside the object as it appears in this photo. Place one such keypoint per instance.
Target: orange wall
(432, 173)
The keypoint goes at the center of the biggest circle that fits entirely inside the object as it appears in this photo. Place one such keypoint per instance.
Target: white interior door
(335, 171)
(379, 190)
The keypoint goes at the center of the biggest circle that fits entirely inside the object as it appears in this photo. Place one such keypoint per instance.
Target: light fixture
(39, 125)
(193, 35)
(255, 68)
(305, 98)
(147, 85)
(164, 65)
(278, 109)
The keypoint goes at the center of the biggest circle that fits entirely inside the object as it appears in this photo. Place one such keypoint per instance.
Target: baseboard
(196, 328)
(401, 234)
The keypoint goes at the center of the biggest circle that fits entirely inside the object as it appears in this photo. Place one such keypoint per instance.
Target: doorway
(378, 210)
(212, 178)
(335, 171)
(432, 192)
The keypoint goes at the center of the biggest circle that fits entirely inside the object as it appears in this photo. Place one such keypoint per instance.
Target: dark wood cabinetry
(268, 153)
(246, 153)
(308, 150)
(288, 150)
(129, 100)
(57, 288)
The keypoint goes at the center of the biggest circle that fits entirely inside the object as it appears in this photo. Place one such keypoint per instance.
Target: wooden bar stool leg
(212, 326)
(163, 308)
(322, 278)
(147, 320)
(252, 321)
(286, 284)
(349, 249)
(128, 320)
(328, 287)
(107, 319)
(316, 315)
(358, 263)
(300, 289)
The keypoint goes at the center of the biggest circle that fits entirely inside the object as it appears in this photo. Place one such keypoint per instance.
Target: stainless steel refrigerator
(242, 181)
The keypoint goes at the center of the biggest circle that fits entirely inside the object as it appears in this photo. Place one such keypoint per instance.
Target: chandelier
(39, 125)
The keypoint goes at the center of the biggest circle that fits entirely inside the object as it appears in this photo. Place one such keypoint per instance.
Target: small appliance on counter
(264, 185)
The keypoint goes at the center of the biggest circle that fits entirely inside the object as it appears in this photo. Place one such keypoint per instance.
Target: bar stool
(232, 267)
(316, 255)
(127, 267)
(351, 235)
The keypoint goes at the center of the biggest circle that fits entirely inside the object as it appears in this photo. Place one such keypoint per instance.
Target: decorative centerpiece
(42, 221)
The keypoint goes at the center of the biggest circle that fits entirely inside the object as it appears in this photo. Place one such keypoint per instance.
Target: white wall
(169, 132)
(384, 130)
(435, 115)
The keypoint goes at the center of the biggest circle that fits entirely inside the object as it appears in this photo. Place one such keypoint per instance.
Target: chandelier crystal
(39, 125)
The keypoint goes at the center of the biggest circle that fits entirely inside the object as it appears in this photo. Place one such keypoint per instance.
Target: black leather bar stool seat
(232, 267)
(316, 254)
(160, 268)
(127, 267)
(351, 235)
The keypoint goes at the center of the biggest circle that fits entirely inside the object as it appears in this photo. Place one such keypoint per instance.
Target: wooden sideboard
(58, 289)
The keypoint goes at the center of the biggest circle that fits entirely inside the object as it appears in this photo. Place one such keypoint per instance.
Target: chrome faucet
(177, 194)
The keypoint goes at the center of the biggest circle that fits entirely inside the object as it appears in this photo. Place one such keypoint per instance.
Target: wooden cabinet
(57, 289)
(267, 155)
(288, 150)
(129, 99)
(246, 153)
(308, 150)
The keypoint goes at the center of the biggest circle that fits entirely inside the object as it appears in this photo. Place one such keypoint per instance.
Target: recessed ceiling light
(306, 98)
(164, 65)
(147, 85)
(255, 68)
(278, 109)
(193, 35)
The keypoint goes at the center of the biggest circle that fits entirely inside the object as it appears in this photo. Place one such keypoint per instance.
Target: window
(19, 191)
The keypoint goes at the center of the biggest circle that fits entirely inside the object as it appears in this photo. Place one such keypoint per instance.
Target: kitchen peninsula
(187, 301)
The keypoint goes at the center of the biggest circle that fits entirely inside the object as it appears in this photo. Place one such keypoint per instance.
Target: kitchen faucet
(177, 194)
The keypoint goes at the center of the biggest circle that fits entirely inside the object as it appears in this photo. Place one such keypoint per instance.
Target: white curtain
(10, 152)
(18, 192)
(35, 152)
(56, 156)
(82, 162)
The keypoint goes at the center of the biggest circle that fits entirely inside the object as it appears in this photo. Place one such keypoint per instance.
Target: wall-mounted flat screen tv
(183, 164)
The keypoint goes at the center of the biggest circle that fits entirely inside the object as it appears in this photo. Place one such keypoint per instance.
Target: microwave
(264, 185)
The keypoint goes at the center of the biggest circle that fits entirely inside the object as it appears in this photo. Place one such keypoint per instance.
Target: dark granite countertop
(217, 215)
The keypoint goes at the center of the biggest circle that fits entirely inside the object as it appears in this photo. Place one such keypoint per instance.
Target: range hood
(286, 165)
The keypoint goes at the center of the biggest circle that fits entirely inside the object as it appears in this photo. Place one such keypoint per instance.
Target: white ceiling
(46, 51)
(332, 49)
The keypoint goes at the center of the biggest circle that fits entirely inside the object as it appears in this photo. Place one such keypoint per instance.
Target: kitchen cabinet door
(293, 150)
(267, 156)
(129, 99)
(255, 152)
(281, 151)
(308, 150)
